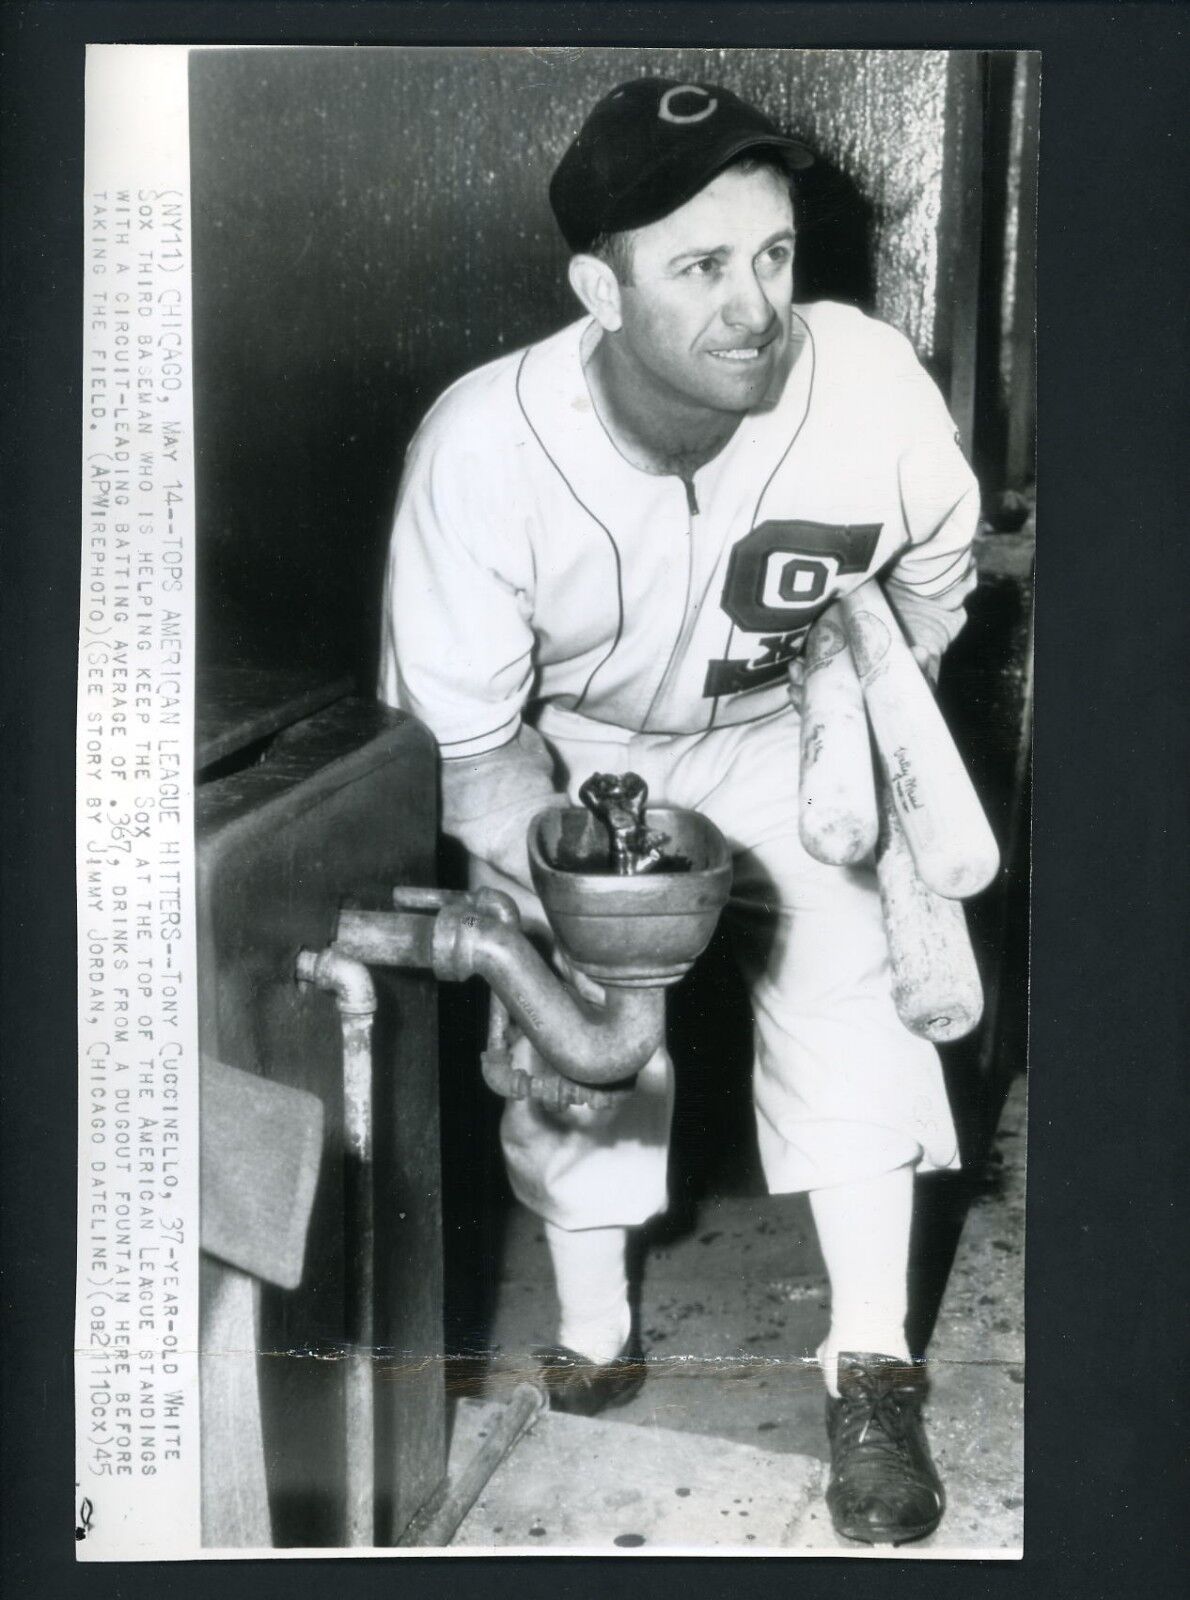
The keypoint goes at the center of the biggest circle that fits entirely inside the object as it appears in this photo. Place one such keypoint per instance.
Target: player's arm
(933, 576)
(457, 649)
(488, 801)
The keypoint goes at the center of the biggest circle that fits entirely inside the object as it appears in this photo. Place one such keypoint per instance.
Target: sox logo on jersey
(780, 578)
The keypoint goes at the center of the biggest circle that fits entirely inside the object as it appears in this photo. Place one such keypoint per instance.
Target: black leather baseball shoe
(585, 1388)
(884, 1488)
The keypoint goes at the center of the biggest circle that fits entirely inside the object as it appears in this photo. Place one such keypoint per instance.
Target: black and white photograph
(566, 1086)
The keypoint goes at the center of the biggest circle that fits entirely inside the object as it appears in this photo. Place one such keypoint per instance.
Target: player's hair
(616, 248)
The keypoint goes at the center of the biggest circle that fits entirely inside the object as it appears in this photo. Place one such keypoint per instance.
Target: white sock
(592, 1283)
(863, 1229)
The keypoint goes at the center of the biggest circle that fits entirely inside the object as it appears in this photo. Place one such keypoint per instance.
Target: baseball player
(608, 549)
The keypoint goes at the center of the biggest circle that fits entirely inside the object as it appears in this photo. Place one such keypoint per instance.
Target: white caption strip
(136, 1340)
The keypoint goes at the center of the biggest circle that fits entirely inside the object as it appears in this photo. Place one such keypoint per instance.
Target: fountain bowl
(642, 931)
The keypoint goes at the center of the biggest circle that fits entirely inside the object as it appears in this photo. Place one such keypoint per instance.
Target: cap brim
(795, 154)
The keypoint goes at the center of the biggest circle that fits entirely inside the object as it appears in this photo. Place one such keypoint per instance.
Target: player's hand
(796, 670)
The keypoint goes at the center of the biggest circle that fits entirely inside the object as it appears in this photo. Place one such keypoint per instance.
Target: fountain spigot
(619, 800)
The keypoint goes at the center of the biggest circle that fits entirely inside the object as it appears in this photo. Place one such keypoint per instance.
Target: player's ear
(597, 286)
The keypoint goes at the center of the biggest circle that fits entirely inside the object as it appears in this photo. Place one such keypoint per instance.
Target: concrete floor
(724, 1447)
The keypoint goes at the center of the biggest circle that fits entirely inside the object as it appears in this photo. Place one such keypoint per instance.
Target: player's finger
(927, 660)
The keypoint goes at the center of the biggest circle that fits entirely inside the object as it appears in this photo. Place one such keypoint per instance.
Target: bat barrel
(836, 795)
(935, 982)
(945, 826)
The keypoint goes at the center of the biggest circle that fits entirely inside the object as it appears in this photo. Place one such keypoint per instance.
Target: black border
(1107, 1433)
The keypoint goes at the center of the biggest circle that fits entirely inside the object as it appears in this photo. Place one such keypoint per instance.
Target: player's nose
(748, 307)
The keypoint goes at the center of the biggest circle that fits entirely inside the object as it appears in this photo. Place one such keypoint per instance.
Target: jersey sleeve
(456, 643)
(935, 572)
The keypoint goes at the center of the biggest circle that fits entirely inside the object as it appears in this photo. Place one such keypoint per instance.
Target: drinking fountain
(632, 897)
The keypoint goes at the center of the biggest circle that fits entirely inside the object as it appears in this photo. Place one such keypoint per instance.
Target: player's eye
(777, 256)
(704, 267)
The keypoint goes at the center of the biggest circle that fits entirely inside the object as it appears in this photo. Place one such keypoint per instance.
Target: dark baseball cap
(651, 145)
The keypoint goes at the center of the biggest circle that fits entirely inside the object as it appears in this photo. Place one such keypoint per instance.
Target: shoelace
(880, 1418)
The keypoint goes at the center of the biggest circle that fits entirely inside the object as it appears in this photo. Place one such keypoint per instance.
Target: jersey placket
(690, 607)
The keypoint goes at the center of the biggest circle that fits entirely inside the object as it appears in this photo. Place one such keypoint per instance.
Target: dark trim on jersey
(906, 583)
(581, 503)
(768, 481)
(444, 744)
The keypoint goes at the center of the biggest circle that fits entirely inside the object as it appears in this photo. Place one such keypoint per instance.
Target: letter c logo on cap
(667, 114)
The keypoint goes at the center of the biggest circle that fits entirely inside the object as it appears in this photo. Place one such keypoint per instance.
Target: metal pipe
(386, 938)
(496, 1059)
(355, 995)
(546, 1085)
(590, 1041)
(414, 899)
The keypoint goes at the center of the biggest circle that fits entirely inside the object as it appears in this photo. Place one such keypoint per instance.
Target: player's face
(706, 316)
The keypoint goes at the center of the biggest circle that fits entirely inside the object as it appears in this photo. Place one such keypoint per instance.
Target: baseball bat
(935, 982)
(836, 786)
(936, 802)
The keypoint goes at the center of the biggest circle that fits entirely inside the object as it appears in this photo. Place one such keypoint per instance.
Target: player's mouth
(741, 355)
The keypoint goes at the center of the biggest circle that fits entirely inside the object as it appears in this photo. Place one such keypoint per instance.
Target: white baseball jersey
(532, 562)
